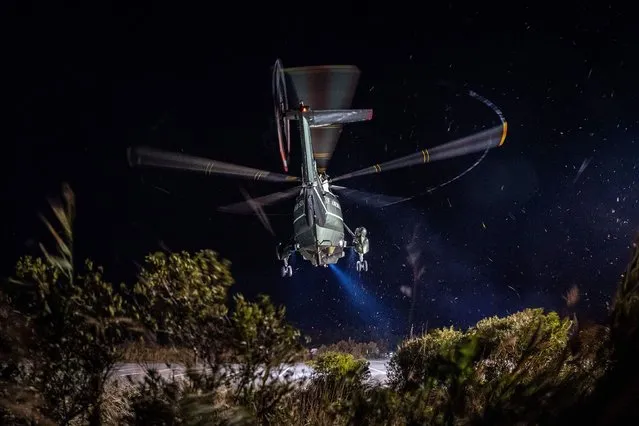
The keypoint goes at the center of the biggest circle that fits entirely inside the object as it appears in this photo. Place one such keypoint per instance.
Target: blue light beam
(368, 308)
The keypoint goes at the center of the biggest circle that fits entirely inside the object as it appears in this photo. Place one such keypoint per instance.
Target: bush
(340, 366)
(62, 333)
(366, 350)
(495, 368)
(65, 330)
(416, 359)
(504, 341)
(325, 398)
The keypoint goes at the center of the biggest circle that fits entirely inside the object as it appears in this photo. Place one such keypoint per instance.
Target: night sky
(556, 206)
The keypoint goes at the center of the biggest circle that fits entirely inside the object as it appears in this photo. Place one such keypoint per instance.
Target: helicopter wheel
(287, 270)
(280, 102)
(361, 266)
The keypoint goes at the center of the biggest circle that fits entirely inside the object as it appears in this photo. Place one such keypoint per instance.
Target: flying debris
(319, 99)
(582, 168)
(513, 289)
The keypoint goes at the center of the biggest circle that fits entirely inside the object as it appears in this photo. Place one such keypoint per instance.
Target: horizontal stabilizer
(323, 118)
(331, 117)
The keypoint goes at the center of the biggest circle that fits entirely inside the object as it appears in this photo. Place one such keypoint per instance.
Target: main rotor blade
(369, 199)
(150, 157)
(259, 212)
(252, 204)
(476, 142)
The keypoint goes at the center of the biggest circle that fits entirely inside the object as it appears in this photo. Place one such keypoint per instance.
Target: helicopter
(319, 98)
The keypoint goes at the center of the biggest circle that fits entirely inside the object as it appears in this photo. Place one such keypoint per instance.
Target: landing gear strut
(283, 254)
(287, 270)
(361, 246)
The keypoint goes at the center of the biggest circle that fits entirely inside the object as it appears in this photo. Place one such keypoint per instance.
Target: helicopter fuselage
(318, 226)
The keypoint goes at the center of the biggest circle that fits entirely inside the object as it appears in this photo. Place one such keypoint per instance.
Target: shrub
(61, 334)
(358, 349)
(263, 344)
(416, 359)
(66, 329)
(504, 341)
(182, 298)
(340, 366)
(493, 370)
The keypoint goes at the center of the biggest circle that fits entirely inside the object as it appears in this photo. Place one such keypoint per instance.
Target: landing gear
(361, 246)
(362, 265)
(283, 254)
(287, 270)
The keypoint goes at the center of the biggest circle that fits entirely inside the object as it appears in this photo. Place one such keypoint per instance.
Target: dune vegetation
(64, 328)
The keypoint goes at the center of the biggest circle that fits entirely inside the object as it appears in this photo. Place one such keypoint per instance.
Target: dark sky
(517, 231)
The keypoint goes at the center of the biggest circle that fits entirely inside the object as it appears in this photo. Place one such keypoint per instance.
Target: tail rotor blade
(251, 205)
(486, 139)
(369, 199)
(150, 157)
